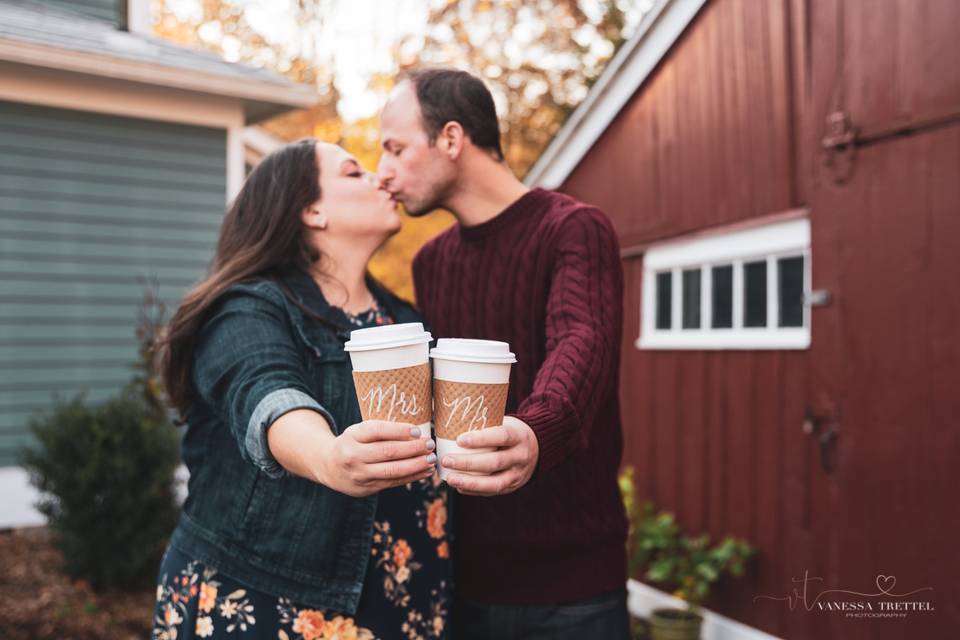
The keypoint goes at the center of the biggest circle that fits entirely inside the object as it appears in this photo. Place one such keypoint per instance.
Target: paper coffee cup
(391, 373)
(470, 383)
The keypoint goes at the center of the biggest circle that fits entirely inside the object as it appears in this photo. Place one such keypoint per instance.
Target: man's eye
(396, 152)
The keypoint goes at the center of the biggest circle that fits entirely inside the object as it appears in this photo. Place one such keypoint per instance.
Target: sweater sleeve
(584, 321)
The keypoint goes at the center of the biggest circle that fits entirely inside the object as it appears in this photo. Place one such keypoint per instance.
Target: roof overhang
(630, 67)
(258, 143)
(261, 100)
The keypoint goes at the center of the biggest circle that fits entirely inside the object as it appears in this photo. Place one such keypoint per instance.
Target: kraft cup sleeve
(467, 406)
(395, 395)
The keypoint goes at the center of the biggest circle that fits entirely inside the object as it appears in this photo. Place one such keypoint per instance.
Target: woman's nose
(371, 179)
(383, 172)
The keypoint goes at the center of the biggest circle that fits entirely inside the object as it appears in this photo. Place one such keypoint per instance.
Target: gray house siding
(106, 10)
(91, 207)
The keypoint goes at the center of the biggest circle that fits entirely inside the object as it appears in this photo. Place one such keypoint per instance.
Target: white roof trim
(637, 58)
(138, 17)
(290, 95)
(259, 141)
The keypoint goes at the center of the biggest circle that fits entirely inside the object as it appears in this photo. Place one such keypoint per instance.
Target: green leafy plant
(689, 565)
(106, 477)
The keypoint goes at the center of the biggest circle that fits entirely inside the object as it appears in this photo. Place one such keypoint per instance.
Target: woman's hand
(374, 455)
(366, 458)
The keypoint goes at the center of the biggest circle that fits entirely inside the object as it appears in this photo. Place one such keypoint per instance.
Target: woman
(301, 521)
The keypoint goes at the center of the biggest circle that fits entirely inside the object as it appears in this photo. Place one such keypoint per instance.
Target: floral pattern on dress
(195, 601)
(370, 318)
(174, 596)
(420, 627)
(433, 516)
(195, 594)
(313, 624)
(395, 557)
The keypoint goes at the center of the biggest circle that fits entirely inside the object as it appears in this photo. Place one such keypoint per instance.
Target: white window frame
(770, 242)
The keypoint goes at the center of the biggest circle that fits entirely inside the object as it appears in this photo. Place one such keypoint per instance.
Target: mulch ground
(38, 601)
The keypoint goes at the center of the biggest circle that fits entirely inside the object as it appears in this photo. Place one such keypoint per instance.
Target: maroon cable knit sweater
(545, 276)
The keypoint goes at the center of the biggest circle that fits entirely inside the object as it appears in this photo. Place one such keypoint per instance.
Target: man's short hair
(447, 95)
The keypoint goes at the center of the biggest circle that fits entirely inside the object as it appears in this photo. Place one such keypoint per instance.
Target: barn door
(878, 89)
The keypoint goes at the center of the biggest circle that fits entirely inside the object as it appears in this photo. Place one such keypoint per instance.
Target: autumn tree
(539, 58)
(227, 27)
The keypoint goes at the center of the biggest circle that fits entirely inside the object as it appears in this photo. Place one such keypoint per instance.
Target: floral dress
(406, 590)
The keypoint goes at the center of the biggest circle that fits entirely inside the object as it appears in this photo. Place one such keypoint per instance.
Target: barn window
(691, 299)
(742, 289)
(755, 294)
(664, 295)
(790, 271)
(722, 297)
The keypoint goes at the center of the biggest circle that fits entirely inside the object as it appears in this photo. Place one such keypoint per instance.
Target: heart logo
(886, 583)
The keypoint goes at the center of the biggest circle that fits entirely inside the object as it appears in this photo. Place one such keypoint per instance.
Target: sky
(358, 40)
(357, 37)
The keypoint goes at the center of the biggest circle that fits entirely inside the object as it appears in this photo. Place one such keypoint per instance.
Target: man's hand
(507, 468)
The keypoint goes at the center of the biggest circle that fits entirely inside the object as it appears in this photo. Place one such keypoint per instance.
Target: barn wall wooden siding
(727, 129)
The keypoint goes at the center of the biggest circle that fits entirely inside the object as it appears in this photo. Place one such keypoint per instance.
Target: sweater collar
(514, 212)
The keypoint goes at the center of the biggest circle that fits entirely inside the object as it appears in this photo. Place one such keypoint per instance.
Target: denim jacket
(258, 356)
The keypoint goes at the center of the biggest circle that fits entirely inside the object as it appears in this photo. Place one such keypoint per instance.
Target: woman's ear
(314, 218)
(451, 139)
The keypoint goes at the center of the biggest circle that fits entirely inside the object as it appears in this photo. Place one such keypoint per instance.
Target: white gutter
(105, 66)
(628, 70)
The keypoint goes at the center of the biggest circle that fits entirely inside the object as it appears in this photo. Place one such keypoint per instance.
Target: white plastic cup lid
(465, 350)
(387, 336)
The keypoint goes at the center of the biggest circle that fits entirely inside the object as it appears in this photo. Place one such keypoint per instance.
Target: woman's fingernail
(431, 445)
(415, 432)
(431, 458)
(447, 461)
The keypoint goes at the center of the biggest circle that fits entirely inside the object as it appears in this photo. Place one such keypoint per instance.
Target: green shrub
(106, 478)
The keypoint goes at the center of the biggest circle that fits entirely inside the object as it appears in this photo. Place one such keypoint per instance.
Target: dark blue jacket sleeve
(248, 369)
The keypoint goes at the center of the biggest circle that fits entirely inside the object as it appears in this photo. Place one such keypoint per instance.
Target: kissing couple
(303, 520)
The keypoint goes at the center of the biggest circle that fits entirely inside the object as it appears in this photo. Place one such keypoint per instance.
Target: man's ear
(451, 139)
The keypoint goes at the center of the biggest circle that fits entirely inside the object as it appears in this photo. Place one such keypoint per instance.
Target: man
(540, 527)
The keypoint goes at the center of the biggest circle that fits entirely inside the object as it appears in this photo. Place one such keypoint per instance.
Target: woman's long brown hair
(262, 233)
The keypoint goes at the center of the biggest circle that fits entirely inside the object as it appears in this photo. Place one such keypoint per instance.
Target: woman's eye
(355, 174)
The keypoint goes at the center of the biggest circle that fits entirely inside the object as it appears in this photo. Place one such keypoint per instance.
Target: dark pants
(601, 618)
